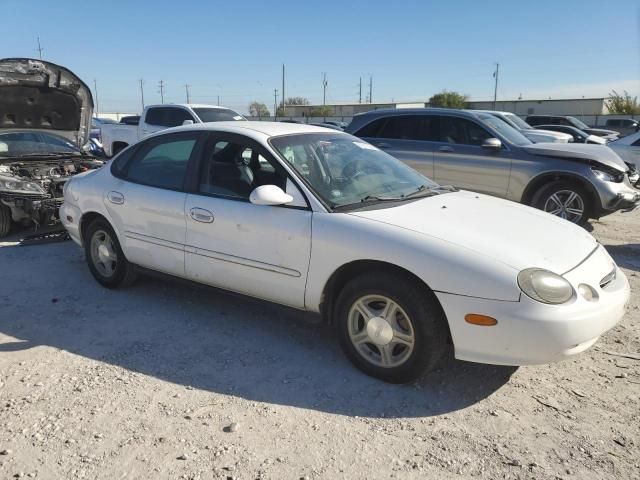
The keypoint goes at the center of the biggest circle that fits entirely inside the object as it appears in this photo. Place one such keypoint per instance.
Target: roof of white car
(269, 129)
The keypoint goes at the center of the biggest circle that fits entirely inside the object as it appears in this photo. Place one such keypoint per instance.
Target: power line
(161, 85)
(40, 49)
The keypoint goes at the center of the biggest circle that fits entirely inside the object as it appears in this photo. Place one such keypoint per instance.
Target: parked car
(624, 126)
(629, 149)
(399, 265)
(478, 152)
(337, 123)
(159, 117)
(130, 120)
(536, 120)
(326, 125)
(533, 134)
(45, 123)
(577, 135)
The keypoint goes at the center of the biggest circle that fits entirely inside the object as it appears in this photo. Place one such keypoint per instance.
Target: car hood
(580, 152)
(536, 135)
(511, 233)
(602, 132)
(38, 95)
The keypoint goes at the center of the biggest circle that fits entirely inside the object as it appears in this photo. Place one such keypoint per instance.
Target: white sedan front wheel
(391, 327)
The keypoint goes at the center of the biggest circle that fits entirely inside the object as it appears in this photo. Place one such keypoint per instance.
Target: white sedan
(321, 221)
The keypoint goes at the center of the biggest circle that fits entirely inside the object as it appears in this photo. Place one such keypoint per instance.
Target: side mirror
(492, 143)
(269, 195)
(187, 122)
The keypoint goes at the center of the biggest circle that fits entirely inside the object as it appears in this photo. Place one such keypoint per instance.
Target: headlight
(616, 177)
(545, 286)
(8, 184)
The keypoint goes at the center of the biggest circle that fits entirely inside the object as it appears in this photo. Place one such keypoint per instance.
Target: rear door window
(408, 127)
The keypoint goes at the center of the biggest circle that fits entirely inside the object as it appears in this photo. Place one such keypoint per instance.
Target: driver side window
(234, 169)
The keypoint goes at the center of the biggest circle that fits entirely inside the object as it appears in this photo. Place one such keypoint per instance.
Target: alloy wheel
(103, 253)
(565, 204)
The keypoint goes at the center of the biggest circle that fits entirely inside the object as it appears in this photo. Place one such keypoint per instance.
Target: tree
(257, 109)
(292, 101)
(622, 104)
(322, 111)
(446, 99)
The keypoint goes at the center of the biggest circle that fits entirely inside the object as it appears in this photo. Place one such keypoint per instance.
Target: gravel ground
(168, 380)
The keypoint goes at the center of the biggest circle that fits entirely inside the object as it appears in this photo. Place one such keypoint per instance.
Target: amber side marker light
(482, 320)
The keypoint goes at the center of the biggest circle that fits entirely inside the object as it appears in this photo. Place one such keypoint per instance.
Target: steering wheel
(353, 169)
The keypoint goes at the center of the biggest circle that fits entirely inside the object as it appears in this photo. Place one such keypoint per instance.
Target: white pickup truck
(117, 136)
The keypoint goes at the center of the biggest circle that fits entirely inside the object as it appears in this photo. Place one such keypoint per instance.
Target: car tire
(5, 220)
(418, 319)
(564, 199)
(105, 257)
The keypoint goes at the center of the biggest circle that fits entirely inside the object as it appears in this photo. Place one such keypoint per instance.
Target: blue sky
(559, 49)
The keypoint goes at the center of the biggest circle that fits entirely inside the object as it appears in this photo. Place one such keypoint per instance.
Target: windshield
(217, 115)
(503, 128)
(521, 124)
(578, 123)
(344, 170)
(16, 144)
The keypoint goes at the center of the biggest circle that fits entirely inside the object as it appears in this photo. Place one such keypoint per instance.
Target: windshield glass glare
(578, 123)
(345, 170)
(521, 124)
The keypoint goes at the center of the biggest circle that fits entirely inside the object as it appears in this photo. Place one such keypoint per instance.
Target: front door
(258, 250)
(460, 160)
(146, 202)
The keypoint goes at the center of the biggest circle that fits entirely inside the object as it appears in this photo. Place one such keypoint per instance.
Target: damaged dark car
(45, 121)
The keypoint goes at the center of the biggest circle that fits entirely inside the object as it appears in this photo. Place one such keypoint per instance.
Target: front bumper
(70, 218)
(529, 332)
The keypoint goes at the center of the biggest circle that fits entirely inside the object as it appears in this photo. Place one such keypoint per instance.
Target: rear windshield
(217, 115)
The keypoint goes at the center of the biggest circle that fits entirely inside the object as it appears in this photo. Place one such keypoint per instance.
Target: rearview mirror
(187, 122)
(269, 195)
(492, 143)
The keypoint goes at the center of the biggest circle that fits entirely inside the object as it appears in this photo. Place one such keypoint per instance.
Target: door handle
(383, 145)
(201, 215)
(445, 149)
(115, 197)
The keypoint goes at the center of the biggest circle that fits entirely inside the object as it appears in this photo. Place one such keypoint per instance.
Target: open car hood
(38, 95)
(580, 152)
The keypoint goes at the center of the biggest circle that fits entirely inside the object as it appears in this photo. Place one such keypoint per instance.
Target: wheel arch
(348, 271)
(86, 220)
(537, 182)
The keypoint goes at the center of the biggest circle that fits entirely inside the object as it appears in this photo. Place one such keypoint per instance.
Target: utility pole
(40, 49)
(275, 103)
(95, 89)
(283, 97)
(360, 93)
(495, 90)
(142, 93)
(324, 88)
(161, 85)
(218, 99)
(186, 88)
(370, 89)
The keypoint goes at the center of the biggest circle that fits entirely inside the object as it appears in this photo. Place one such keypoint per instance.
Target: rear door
(461, 161)
(146, 201)
(407, 137)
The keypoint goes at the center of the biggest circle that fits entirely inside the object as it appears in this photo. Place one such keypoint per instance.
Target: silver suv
(479, 152)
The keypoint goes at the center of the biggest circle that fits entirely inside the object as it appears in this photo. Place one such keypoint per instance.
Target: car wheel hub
(565, 204)
(103, 253)
(381, 331)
